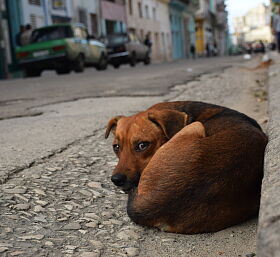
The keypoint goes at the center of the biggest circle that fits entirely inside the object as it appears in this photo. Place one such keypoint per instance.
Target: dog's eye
(116, 148)
(142, 146)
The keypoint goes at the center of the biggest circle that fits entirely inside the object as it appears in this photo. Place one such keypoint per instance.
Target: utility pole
(3, 59)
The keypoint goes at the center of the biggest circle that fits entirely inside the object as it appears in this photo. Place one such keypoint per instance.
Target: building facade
(182, 28)
(222, 29)
(43, 12)
(88, 13)
(211, 27)
(151, 17)
(113, 16)
(253, 26)
(4, 41)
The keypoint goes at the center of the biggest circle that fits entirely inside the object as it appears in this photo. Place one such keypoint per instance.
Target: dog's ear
(170, 121)
(195, 129)
(112, 124)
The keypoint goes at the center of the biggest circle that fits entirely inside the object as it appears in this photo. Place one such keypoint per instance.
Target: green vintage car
(61, 47)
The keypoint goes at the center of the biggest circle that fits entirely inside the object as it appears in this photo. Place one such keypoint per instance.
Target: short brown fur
(202, 171)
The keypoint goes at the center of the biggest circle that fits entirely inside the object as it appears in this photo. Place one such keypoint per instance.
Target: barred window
(33, 22)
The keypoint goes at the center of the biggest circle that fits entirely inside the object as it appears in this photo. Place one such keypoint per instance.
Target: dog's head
(137, 138)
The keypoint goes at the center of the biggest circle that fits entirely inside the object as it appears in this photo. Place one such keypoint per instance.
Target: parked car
(236, 50)
(126, 48)
(258, 47)
(61, 47)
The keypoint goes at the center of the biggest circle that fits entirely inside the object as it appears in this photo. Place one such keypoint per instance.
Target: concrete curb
(269, 218)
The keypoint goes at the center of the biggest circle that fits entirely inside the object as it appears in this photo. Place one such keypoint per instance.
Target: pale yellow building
(253, 26)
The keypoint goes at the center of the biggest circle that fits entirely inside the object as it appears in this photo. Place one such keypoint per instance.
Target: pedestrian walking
(208, 49)
(18, 35)
(148, 42)
(215, 49)
(276, 28)
(26, 35)
(192, 49)
(262, 47)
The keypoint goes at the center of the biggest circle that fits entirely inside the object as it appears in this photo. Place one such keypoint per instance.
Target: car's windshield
(51, 33)
(117, 39)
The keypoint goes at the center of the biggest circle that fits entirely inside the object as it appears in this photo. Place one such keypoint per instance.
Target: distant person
(215, 49)
(18, 35)
(276, 28)
(262, 47)
(249, 48)
(208, 50)
(26, 35)
(148, 42)
(192, 49)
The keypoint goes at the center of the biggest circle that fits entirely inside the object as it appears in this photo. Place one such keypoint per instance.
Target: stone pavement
(269, 220)
(65, 205)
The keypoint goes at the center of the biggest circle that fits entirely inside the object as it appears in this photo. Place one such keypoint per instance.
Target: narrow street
(56, 197)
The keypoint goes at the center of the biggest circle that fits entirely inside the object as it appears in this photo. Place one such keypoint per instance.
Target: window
(51, 33)
(35, 2)
(83, 16)
(147, 12)
(141, 34)
(154, 14)
(140, 10)
(36, 20)
(130, 6)
(94, 24)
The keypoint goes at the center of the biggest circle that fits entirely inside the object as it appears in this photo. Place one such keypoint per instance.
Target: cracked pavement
(56, 198)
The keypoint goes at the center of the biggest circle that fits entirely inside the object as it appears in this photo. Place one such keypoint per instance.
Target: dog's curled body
(207, 174)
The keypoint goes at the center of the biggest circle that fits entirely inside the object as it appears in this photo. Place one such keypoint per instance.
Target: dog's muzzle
(119, 179)
(124, 182)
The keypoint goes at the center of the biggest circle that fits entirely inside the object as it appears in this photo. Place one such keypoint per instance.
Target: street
(18, 96)
(56, 196)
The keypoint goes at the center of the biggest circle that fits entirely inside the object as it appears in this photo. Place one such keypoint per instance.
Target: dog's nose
(119, 179)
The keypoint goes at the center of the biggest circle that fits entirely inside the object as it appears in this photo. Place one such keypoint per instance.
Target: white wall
(90, 6)
(43, 13)
(37, 11)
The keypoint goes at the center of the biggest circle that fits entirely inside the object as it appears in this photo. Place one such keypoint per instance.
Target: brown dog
(189, 167)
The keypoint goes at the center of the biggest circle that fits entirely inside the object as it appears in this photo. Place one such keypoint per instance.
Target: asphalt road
(19, 97)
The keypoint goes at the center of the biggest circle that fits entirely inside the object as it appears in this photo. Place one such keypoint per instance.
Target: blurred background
(173, 29)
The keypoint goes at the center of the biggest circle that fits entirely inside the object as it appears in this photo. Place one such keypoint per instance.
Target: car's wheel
(79, 65)
(32, 73)
(103, 62)
(116, 65)
(63, 71)
(147, 60)
(133, 59)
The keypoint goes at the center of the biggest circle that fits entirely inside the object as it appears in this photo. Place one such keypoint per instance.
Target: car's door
(96, 49)
(81, 42)
(141, 49)
(132, 44)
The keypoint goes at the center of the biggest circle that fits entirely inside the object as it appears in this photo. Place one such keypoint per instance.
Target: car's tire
(116, 65)
(133, 59)
(63, 71)
(32, 73)
(79, 64)
(147, 60)
(102, 63)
